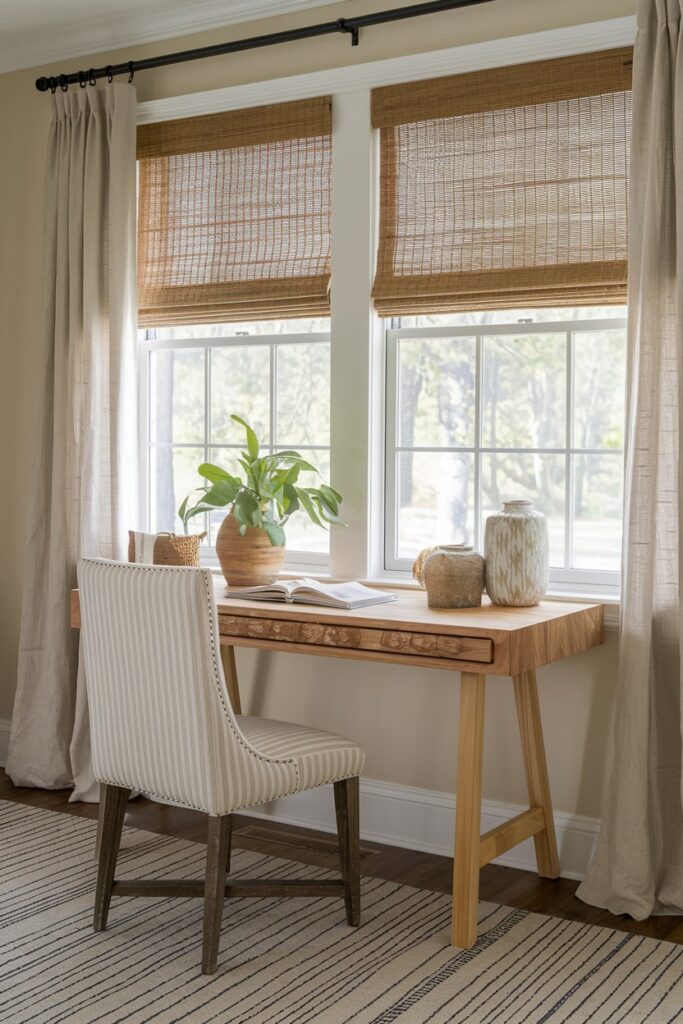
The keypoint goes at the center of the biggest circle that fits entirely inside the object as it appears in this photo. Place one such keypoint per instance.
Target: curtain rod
(352, 26)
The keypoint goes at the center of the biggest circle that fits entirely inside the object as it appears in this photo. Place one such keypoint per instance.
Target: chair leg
(214, 889)
(113, 800)
(228, 854)
(346, 804)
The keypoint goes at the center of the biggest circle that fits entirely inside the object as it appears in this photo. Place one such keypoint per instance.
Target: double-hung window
(504, 192)
(234, 269)
(491, 407)
(499, 301)
(274, 373)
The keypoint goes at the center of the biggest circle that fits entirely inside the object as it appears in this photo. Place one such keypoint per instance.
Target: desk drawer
(391, 642)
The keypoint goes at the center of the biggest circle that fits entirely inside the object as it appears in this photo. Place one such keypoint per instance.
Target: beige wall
(405, 718)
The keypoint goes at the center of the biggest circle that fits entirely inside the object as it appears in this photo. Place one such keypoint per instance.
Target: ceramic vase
(516, 554)
(454, 577)
(249, 560)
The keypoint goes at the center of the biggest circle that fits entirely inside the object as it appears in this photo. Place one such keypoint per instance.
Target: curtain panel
(638, 867)
(505, 188)
(82, 496)
(234, 215)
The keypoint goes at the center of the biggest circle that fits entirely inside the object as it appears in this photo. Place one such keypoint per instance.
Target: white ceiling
(36, 32)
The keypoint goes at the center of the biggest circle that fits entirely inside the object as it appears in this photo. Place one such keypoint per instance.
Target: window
(434, 421)
(275, 374)
(487, 407)
(503, 190)
(233, 288)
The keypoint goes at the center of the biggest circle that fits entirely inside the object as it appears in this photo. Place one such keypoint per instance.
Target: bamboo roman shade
(506, 187)
(234, 215)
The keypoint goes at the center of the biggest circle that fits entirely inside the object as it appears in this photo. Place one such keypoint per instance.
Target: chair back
(160, 715)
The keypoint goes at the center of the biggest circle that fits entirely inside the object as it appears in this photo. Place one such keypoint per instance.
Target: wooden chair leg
(347, 807)
(98, 837)
(533, 749)
(228, 854)
(113, 801)
(468, 810)
(231, 679)
(214, 889)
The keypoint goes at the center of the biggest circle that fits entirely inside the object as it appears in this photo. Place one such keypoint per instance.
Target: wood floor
(508, 886)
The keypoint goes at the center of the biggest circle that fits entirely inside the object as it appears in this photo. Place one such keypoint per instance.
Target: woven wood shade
(505, 188)
(234, 215)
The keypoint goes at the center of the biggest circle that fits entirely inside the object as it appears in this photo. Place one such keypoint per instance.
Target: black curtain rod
(352, 26)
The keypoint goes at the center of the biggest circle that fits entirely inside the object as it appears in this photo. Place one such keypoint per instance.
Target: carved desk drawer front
(430, 645)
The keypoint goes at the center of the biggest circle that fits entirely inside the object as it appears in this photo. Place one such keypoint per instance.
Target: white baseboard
(423, 819)
(4, 742)
(418, 819)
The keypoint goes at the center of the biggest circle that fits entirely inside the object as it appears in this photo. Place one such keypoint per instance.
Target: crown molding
(91, 35)
(559, 42)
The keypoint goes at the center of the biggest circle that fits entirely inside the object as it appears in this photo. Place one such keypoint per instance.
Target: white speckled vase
(454, 577)
(516, 553)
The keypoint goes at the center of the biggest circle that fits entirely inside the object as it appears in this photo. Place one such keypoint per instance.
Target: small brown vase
(249, 560)
(454, 577)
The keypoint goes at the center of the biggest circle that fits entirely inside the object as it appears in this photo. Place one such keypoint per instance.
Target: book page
(342, 592)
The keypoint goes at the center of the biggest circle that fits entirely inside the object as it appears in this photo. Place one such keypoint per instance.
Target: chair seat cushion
(321, 757)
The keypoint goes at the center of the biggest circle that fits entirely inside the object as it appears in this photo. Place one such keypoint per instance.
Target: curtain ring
(82, 79)
(63, 84)
(52, 82)
(131, 71)
(110, 77)
(91, 76)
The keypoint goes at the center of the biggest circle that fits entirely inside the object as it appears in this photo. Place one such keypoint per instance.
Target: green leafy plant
(267, 492)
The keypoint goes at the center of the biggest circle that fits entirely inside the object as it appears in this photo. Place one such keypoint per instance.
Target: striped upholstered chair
(161, 722)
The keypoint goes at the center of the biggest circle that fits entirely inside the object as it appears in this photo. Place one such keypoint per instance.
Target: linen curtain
(505, 187)
(82, 497)
(638, 867)
(234, 215)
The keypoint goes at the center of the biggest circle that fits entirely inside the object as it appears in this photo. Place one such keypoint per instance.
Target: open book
(308, 591)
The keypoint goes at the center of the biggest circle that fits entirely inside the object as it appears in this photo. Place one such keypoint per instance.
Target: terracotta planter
(249, 560)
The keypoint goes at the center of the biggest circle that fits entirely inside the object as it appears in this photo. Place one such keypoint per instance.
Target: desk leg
(529, 715)
(230, 670)
(468, 810)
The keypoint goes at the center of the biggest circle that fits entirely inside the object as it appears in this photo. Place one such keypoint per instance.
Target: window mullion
(569, 459)
(391, 471)
(273, 396)
(353, 432)
(478, 468)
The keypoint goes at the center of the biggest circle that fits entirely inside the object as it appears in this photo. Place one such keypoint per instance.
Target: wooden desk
(475, 642)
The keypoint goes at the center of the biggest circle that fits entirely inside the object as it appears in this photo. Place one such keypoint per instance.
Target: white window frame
(357, 420)
(295, 561)
(563, 580)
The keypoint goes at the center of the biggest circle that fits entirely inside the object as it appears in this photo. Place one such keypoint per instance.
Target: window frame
(148, 344)
(357, 338)
(563, 580)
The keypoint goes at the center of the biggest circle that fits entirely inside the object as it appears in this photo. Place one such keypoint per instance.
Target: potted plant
(250, 544)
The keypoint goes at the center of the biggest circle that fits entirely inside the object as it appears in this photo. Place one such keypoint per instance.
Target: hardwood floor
(508, 886)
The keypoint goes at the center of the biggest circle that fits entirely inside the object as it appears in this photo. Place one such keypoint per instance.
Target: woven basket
(171, 548)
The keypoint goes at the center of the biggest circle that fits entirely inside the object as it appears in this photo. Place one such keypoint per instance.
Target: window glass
(488, 407)
(274, 374)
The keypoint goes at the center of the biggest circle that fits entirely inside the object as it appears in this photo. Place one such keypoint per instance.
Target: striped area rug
(292, 961)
